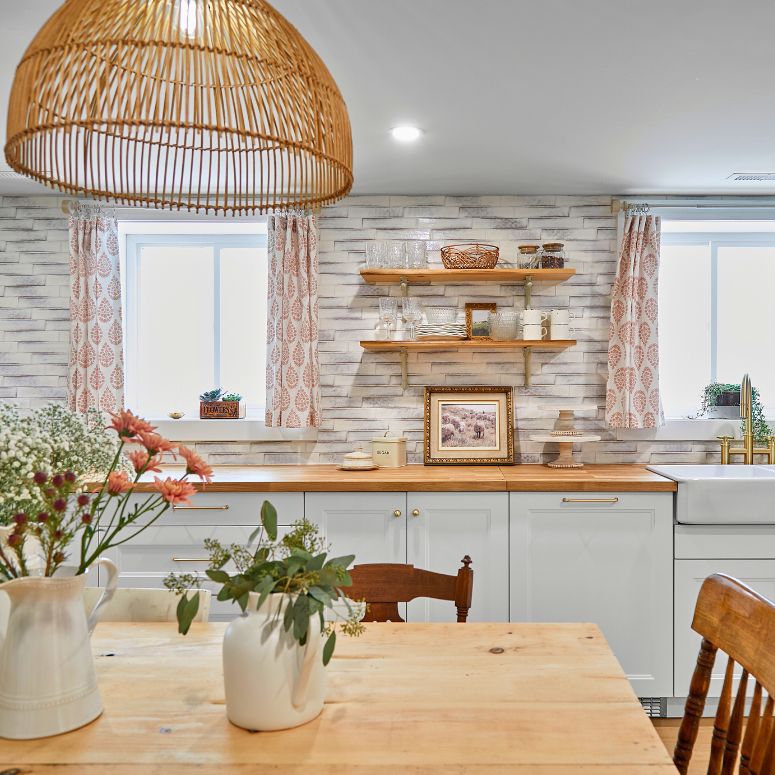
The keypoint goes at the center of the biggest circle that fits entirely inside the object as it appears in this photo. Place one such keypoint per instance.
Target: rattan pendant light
(216, 105)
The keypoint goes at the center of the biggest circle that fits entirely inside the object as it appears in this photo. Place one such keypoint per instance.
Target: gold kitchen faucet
(748, 450)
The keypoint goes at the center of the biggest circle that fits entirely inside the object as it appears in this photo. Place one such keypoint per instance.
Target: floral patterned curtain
(632, 396)
(96, 370)
(292, 369)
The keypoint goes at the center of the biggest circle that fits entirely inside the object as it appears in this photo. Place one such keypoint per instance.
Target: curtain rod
(717, 202)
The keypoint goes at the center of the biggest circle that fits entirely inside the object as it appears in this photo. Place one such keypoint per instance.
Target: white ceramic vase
(271, 681)
(47, 680)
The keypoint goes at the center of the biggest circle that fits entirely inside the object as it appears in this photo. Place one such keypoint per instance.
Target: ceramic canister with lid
(389, 451)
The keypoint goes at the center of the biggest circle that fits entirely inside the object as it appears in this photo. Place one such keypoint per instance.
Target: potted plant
(58, 527)
(722, 401)
(217, 404)
(279, 647)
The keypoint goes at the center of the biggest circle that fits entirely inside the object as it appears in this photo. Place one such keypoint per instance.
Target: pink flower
(118, 482)
(195, 464)
(154, 443)
(174, 491)
(128, 425)
(143, 462)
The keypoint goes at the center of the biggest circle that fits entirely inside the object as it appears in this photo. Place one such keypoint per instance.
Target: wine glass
(412, 312)
(388, 308)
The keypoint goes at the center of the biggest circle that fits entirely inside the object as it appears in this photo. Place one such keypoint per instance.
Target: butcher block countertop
(416, 478)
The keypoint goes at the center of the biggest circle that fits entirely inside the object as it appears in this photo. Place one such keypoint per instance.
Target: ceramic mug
(534, 331)
(560, 332)
(533, 317)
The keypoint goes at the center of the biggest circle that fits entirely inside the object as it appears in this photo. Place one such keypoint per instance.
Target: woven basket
(472, 255)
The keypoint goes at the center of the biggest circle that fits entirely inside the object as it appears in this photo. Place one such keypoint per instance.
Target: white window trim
(248, 429)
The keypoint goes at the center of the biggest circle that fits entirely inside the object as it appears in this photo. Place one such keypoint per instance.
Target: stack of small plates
(441, 331)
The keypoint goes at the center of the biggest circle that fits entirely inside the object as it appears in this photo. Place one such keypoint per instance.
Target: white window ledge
(230, 430)
(683, 430)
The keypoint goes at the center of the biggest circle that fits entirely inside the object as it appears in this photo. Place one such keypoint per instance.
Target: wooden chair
(733, 618)
(143, 605)
(384, 585)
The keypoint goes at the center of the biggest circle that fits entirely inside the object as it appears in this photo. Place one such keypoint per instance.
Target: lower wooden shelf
(439, 345)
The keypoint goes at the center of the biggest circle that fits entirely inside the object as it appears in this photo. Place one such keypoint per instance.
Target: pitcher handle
(109, 591)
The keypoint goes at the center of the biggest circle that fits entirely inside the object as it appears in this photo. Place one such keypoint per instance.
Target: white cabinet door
(442, 527)
(689, 575)
(370, 525)
(576, 557)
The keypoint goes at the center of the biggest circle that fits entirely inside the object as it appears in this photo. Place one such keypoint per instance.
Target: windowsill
(684, 430)
(247, 429)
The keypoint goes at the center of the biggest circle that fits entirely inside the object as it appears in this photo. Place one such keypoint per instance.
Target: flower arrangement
(55, 508)
(296, 566)
(712, 396)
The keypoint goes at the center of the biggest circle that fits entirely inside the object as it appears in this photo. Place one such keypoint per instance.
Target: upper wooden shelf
(397, 276)
(377, 345)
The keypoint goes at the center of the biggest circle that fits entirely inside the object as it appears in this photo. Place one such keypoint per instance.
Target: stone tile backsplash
(361, 392)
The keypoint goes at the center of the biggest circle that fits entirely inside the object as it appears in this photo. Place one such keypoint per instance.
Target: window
(716, 296)
(195, 308)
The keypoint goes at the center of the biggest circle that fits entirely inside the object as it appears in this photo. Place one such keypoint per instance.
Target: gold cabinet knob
(415, 512)
(397, 513)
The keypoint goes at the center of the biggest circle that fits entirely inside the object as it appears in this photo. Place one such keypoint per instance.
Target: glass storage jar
(528, 256)
(553, 255)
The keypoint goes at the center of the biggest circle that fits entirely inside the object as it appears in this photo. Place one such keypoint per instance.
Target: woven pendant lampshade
(205, 105)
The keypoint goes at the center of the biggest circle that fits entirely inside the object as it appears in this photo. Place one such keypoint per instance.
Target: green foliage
(211, 395)
(297, 566)
(710, 397)
(231, 397)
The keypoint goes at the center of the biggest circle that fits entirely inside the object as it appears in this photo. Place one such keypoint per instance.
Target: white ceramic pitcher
(272, 682)
(47, 680)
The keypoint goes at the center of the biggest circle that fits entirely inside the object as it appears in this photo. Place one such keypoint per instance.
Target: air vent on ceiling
(752, 177)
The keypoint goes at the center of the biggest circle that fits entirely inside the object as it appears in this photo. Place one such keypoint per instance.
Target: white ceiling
(535, 96)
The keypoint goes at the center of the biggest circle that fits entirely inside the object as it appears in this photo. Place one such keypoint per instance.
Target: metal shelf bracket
(404, 353)
(527, 357)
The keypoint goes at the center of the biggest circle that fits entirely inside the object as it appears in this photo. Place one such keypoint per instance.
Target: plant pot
(221, 410)
(272, 682)
(723, 412)
(47, 680)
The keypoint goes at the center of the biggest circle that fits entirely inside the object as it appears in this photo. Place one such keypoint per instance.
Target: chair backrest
(734, 619)
(384, 585)
(143, 605)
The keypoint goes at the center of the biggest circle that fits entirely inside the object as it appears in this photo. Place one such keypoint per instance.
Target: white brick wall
(361, 392)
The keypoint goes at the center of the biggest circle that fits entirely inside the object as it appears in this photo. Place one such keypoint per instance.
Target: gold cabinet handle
(415, 512)
(190, 559)
(397, 513)
(590, 500)
(201, 508)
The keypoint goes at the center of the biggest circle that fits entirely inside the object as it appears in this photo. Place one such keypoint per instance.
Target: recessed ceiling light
(406, 134)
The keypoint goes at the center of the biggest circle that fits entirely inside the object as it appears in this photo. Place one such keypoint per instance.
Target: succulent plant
(231, 397)
(211, 395)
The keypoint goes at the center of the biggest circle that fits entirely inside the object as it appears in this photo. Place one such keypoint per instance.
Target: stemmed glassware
(388, 308)
(412, 312)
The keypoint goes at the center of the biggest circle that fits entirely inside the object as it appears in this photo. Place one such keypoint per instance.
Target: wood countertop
(416, 478)
(479, 699)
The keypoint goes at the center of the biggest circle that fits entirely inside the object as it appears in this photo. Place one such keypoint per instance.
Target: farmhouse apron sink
(723, 495)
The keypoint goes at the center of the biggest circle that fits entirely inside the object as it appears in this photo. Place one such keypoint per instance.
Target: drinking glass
(376, 254)
(416, 254)
(396, 254)
(412, 314)
(387, 313)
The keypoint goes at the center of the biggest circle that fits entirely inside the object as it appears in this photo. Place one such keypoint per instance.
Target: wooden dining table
(548, 699)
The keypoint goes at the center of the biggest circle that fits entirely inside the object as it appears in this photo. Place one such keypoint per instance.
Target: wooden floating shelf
(466, 344)
(398, 276)
(440, 345)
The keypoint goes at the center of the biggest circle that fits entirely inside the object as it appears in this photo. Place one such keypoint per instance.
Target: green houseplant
(728, 394)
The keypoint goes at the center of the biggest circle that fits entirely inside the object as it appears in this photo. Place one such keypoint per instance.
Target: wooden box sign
(221, 410)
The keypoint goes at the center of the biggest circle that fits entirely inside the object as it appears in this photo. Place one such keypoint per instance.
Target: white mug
(560, 332)
(533, 331)
(561, 317)
(533, 317)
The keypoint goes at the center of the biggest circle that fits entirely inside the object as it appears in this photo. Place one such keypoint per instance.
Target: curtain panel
(632, 395)
(96, 365)
(292, 367)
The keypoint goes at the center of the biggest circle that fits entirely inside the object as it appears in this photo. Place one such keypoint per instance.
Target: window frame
(134, 244)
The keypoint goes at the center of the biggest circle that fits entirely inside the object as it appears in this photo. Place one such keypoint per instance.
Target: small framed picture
(469, 425)
(478, 320)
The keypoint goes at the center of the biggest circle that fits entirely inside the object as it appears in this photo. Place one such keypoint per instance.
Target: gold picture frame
(469, 425)
(471, 319)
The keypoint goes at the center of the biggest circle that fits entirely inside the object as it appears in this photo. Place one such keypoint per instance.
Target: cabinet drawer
(230, 508)
(745, 542)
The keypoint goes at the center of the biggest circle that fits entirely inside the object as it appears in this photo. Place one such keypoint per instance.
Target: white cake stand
(565, 434)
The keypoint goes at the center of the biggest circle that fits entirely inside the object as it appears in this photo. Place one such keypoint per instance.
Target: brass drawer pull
(397, 513)
(201, 508)
(190, 559)
(590, 500)
(415, 512)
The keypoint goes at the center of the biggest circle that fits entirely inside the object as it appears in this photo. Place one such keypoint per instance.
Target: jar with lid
(528, 256)
(553, 255)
